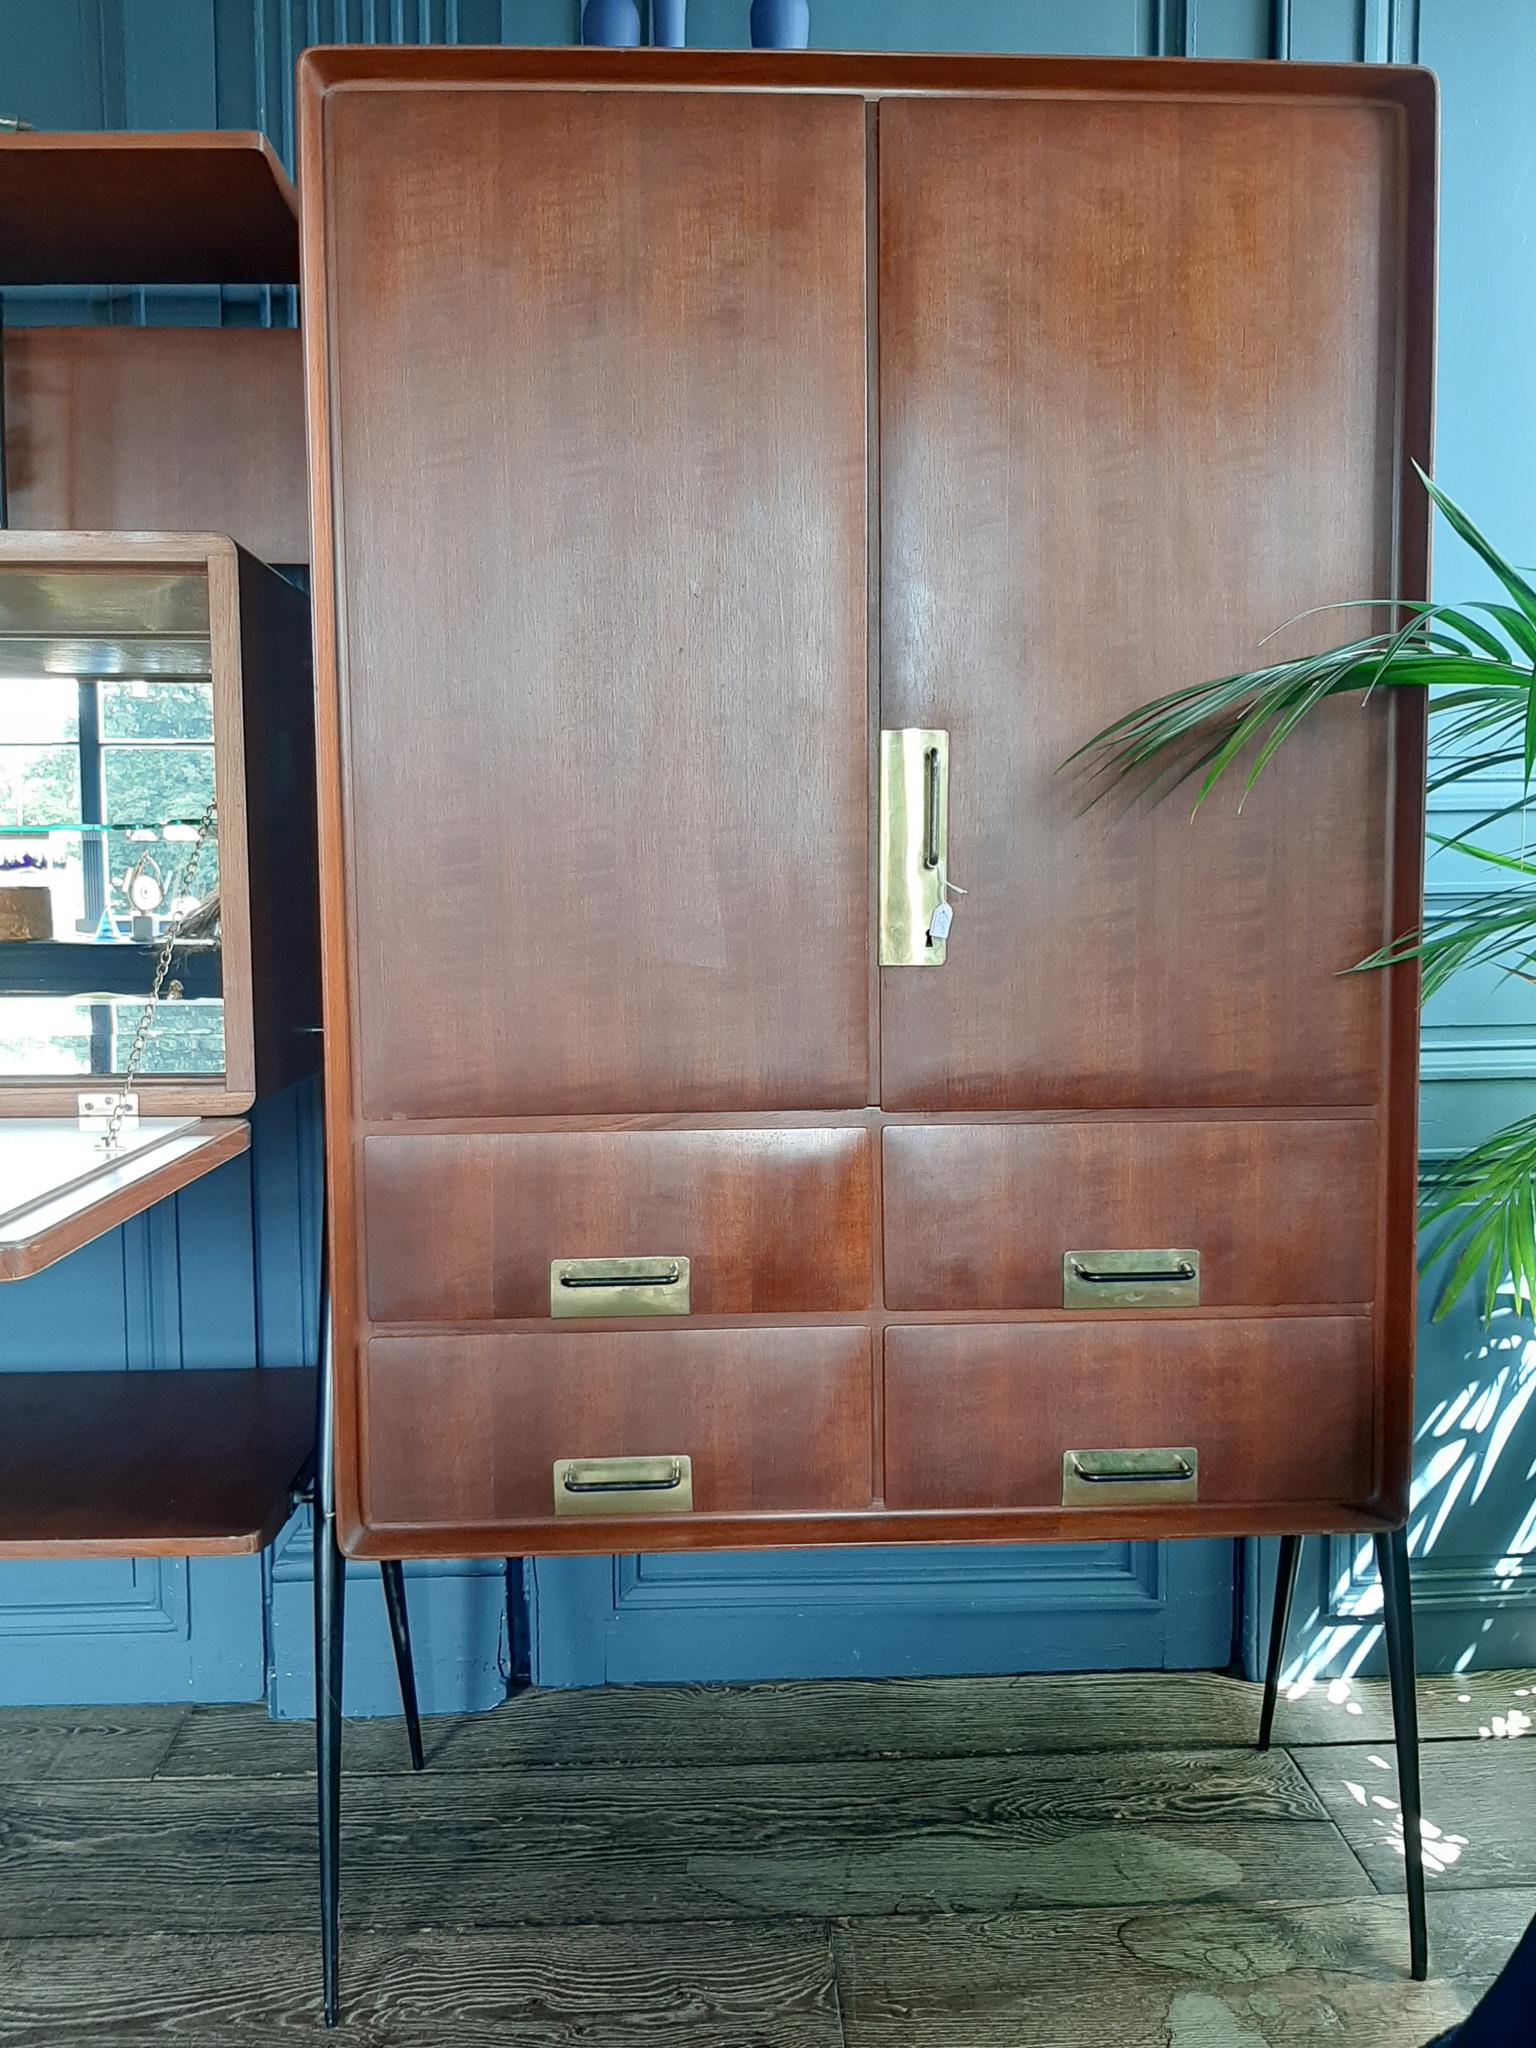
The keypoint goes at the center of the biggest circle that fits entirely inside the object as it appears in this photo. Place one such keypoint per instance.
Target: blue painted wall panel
(864, 1613)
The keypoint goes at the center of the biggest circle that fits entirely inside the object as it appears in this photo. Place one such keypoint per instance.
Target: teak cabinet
(682, 425)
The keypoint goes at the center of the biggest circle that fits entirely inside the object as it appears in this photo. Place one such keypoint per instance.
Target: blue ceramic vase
(613, 22)
(781, 24)
(669, 24)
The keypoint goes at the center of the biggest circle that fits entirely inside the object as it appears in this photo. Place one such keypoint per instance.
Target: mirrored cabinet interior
(157, 905)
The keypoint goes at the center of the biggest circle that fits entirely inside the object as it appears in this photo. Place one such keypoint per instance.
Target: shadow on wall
(1471, 1526)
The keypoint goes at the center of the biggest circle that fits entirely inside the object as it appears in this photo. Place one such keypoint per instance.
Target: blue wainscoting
(869, 1613)
(226, 1272)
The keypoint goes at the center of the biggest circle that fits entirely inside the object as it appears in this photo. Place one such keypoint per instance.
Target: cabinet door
(598, 373)
(1138, 390)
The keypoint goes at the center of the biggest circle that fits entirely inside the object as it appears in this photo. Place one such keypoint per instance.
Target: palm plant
(1479, 1209)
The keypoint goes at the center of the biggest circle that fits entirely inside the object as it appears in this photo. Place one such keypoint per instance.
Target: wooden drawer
(981, 1417)
(461, 1430)
(461, 1228)
(979, 1216)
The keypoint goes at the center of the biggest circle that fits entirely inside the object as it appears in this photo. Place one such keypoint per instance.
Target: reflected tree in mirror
(128, 763)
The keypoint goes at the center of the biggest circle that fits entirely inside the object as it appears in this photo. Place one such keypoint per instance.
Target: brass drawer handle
(621, 1475)
(654, 1286)
(1132, 1279)
(658, 1276)
(1182, 1271)
(1100, 1478)
(1098, 1466)
(616, 1486)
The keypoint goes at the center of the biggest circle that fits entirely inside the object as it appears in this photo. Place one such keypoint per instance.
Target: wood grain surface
(1477, 1805)
(794, 1721)
(620, 1867)
(695, 1987)
(468, 1428)
(652, 1845)
(464, 1227)
(1126, 433)
(1278, 1975)
(169, 429)
(980, 1217)
(982, 1417)
(623, 863)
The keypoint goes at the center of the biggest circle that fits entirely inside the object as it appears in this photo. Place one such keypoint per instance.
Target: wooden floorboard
(1479, 1811)
(1034, 1863)
(1209, 1976)
(970, 1834)
(827, 1719)
(86, 1743)
(609, 1987)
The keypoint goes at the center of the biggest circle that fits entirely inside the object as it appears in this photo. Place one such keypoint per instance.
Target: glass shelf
(174, 831)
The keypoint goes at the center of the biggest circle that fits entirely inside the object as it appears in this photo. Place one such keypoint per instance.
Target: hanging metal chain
(163, 958)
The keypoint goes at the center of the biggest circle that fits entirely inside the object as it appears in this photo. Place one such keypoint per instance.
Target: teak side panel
(981, 1417)
(463, 1228)
(979, 1216)
(159, 429)
(1139, 407)
(466, 1429)
(597, 373)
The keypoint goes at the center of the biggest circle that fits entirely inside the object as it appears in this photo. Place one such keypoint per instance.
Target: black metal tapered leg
(330, 1598)
(1280, 1621)
(330, 1589)
(393, 1572)
(519, 1635)
(1397, 1601)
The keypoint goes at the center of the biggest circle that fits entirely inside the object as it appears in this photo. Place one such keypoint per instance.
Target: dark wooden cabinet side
(277, 709)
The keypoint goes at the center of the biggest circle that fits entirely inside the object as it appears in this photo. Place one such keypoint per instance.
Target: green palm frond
(1489, 669)
(1491, 930)
(1478, 662)
(1479, 1221)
